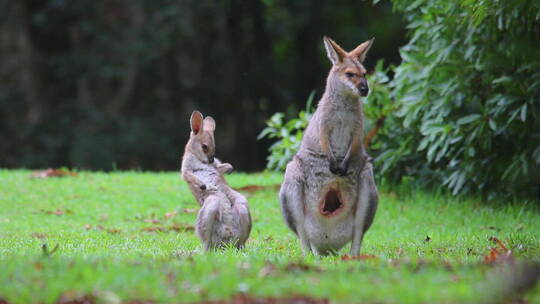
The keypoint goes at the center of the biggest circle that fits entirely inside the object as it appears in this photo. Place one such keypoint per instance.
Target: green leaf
(524, 112)
(468, 119)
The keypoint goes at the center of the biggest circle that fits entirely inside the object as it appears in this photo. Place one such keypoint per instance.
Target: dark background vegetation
(111, 84)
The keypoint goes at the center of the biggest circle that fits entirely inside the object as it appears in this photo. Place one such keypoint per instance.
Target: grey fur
(332, 158)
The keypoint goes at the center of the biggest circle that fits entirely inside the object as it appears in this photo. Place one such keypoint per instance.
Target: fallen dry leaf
(152, 221)
(154, 229)
(170, 214)
(75, 298)
(39, 235)
(447, 266)
(173, 227)
(87, 226)
(267, 270)
(360, 257)
(498, 242)
(57, 212)
(188, 210)
(299, 266)
(181, 227)
(246, 299)
(52, 173)
(255, 188)
(114, 231)
(499, 253)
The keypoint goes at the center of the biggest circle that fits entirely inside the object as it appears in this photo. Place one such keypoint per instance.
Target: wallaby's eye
(204, 147)
(349, 74)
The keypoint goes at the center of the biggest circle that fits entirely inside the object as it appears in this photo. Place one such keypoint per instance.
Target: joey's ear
(196, 122)
(209, 124)
(361, 50)
(333, 50)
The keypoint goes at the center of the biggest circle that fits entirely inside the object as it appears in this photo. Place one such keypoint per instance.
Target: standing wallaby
(224, 217)
(328, 196)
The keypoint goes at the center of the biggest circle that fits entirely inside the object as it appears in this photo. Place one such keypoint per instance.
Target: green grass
(104, 249)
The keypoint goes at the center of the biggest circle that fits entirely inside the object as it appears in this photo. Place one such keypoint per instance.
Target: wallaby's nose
(363, 87)
(364, 90)
(211, 159)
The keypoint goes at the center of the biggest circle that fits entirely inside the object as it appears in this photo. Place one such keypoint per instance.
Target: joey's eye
(349, 74)
(204, 147)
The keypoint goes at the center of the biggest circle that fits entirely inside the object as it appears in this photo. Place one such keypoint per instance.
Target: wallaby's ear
(361, 50)
(209, 124)
(196, 122)
(333, 50)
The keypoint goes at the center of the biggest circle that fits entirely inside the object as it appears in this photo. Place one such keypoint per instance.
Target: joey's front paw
(228, 168)
(202, 187)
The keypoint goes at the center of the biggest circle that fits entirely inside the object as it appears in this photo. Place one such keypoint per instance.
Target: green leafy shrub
(467, 95)
(288, 135)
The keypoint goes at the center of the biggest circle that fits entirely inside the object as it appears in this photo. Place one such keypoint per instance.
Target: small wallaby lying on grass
(328, 196)
(224, 217)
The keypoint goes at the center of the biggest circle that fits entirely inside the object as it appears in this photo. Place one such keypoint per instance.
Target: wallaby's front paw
(202, 187)
(343, 168)
(225, 168)
(334, 167)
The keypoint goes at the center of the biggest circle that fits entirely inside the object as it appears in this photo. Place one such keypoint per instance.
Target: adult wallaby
(224, 217)
(328, 196)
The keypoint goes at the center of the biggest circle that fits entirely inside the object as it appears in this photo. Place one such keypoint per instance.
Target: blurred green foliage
(111, 84)
(288, 135)
(462, 108)
(467, 92)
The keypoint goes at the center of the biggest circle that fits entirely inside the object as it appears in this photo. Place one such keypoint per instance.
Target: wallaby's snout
(211, 159)
(363, 87)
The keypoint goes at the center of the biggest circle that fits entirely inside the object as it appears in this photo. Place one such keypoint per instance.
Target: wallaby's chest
(208, 176)
(342, 126)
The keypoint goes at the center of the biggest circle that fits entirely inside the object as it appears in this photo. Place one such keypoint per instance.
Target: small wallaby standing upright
(224, 217)
(328, 196)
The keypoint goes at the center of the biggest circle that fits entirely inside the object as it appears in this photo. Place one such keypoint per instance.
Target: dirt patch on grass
(52, 173)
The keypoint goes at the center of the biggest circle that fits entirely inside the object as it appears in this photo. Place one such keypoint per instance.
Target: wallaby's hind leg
(291, 197)
(366, 206)
(240, 204)
(206, 221)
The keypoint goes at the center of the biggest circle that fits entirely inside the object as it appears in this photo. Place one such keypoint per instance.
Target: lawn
(128, 236)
